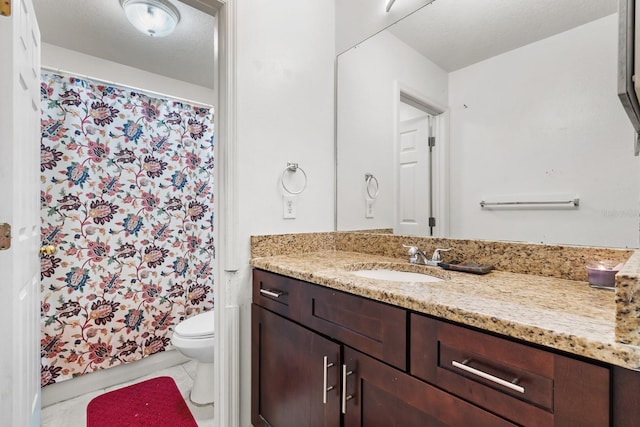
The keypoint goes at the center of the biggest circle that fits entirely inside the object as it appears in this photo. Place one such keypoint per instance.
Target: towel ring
(368, 179)
(293, 167)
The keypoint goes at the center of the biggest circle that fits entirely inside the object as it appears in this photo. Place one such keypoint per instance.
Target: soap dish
(467, 267)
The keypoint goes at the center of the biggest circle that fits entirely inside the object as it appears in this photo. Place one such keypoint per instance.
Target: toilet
(193, 337)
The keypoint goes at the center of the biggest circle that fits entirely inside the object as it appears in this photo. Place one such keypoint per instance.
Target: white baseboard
(98, 380)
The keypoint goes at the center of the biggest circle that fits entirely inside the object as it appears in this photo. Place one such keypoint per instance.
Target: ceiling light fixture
(389, 5)
(155, 18)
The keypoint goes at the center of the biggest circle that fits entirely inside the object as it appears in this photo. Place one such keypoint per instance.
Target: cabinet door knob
(345, 397)
(272, 293)
(48, 249)
(325, 387)
(511, 385)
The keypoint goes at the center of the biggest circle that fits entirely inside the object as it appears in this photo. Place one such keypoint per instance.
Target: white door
(413, 172)
(20, 207)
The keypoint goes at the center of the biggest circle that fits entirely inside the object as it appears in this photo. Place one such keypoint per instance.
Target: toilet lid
(200, 325)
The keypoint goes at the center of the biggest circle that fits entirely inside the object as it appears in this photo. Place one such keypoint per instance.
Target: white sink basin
(396, 276)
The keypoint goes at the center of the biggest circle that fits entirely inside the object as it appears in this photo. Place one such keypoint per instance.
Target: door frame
(440, 171)
(226, 265)
(227, 320)
(227, 283)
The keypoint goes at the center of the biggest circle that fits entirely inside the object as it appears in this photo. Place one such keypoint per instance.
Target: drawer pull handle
(487, 376)
(272, 293)
(345, 396)
(325, 388)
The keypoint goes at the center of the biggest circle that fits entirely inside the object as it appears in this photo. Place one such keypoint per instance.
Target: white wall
(358, 19)
(285, 113)
(368, 82)
(76, 62)
(540, 120)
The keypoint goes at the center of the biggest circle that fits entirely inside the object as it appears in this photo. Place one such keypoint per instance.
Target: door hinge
(432, 221)
(5, 236)
(432, 141)
(5, 7)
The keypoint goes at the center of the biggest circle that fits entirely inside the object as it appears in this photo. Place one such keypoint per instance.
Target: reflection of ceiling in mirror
(458, 33)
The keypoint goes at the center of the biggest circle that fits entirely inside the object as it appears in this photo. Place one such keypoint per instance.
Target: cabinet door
(288, 374)
(379, 395)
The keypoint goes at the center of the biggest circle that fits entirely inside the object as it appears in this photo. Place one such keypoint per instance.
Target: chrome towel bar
(572, 202)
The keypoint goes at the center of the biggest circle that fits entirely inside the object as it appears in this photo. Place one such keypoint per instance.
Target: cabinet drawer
(522, 383)
(276, 293)
(517, 370)
(375, 328)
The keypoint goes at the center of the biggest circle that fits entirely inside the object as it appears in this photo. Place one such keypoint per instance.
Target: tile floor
(72, 412)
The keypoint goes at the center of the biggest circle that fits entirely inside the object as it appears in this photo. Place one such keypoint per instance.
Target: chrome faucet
(416, 256)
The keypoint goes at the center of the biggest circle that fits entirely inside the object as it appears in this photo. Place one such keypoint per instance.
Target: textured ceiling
(458, 33)
(452, 33)
(100, 28)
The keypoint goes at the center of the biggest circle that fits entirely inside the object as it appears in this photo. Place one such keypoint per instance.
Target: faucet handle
(436, 254)
(413, 250)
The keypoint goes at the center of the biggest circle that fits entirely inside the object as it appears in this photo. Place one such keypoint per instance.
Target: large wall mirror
(489, 119)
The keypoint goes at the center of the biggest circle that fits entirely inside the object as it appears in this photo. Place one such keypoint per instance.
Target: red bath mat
(156, 402)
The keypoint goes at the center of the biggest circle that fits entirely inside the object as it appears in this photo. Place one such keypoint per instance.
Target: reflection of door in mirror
(414, 215)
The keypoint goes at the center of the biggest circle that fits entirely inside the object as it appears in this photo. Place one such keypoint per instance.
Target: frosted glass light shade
(156, 18)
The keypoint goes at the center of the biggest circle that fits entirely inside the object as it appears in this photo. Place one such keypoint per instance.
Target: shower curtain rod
(112, 83)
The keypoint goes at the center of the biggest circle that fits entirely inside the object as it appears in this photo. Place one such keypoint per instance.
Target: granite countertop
(567, 315)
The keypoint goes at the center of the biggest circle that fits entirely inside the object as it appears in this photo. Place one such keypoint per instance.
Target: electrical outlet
(369, 211)
(289, 207)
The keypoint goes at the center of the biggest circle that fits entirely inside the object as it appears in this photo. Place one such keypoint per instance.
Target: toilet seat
(200, 326)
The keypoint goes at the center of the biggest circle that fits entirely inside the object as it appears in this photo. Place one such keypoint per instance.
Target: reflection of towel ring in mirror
(368, 179)
(293, 168)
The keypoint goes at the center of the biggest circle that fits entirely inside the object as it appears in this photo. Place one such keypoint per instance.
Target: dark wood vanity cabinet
(288, 374)
(322, 357)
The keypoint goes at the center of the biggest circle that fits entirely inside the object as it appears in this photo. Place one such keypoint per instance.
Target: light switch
(369, 212)
(289, 207)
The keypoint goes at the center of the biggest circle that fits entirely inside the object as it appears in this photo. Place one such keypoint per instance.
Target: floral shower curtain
(127, 200)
